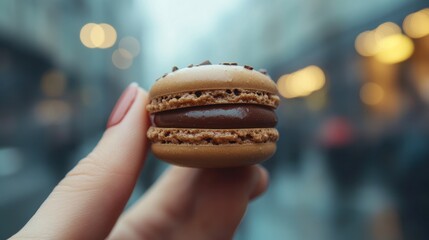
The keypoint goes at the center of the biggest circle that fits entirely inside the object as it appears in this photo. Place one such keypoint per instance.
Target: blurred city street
(352, 161)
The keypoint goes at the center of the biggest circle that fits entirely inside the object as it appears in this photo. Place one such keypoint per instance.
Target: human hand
(185, 203)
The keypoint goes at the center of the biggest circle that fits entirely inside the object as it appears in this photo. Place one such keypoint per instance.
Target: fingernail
(122, 106)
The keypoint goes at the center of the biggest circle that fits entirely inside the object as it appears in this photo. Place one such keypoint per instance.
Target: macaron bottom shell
(214, 156)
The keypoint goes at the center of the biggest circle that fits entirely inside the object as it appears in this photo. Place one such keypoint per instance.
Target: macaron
(213, 116)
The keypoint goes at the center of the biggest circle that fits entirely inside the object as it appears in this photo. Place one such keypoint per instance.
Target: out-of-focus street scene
(352, 161)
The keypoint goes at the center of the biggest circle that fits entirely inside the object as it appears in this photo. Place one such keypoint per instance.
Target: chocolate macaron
(212, 116)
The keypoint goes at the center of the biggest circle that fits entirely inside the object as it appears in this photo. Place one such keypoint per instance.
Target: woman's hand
(184, 204)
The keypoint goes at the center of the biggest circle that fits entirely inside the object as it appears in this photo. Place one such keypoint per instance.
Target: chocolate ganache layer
(217, 117)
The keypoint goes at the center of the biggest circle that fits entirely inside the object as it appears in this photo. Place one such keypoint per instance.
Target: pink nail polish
(123, 105)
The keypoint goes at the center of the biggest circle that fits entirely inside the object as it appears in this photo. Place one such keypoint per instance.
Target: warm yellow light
(365, 44)
(98, 35)
(109, 35)
(394, 49)
(316, 77)
(298, 87)
(302, 82)
(53, 83)
(416, 25)
(281, 86)
(85, 35)
(386, 29)
(289, 87)
(122, 59)
(371, 93)
(131, 44)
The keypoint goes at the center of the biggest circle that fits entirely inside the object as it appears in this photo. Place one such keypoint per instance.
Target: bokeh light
(416, 25)
(131, 44)
(85, 35)
(371, 93)
(282, 85)
(53, 83)
(394, 49)
(109, 35)
(98, 35)
(385, 30)
(122, 59)
(386, 43)
(365, 44)
(302, 82)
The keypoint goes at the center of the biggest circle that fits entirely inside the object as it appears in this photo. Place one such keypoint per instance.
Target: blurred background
(353, 157)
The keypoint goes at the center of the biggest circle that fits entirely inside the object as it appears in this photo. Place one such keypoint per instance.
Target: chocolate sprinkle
(175, 69)
(190, 65)
(206, 62)
(263, 71)
(165, 74)
(229, 63)
(248, 67)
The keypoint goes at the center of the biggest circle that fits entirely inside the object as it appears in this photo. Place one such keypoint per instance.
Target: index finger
(88, 201)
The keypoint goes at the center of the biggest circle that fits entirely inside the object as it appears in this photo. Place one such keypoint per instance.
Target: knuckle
(84, 177)
(91, 174)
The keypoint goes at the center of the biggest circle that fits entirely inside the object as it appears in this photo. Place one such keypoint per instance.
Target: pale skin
(184, 203)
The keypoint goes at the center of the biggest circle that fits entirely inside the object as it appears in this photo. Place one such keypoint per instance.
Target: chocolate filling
(217, 117)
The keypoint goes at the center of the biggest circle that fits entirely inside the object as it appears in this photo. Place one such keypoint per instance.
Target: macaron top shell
(211, 77)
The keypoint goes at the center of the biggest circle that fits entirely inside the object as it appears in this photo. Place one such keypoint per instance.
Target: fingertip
(262, 182)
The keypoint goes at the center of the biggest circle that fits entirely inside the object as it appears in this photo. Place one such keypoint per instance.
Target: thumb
(88, 201)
